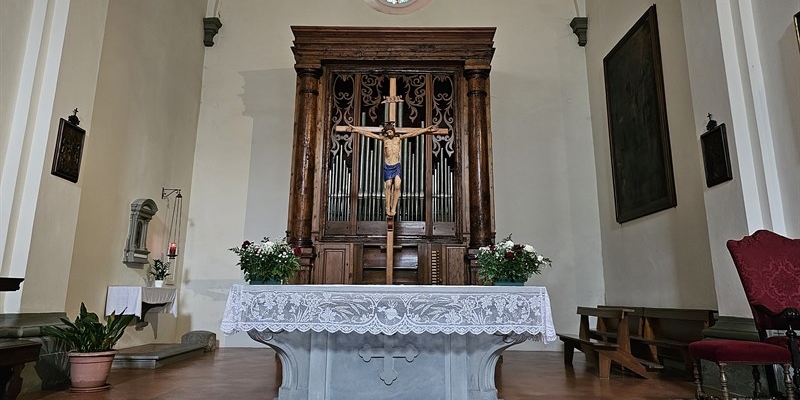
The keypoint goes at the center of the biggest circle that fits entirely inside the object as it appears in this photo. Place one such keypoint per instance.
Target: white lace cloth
(382, 309)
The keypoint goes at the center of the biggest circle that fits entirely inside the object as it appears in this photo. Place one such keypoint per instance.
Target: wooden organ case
(336, 205)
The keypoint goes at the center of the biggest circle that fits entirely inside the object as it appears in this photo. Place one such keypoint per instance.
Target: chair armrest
(788, 314)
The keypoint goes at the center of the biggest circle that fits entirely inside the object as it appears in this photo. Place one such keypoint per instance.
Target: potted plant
(267, 261)
(92, 345)
(509, 263)
(159, 271)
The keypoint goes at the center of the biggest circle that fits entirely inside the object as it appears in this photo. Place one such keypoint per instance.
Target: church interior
(628, 141)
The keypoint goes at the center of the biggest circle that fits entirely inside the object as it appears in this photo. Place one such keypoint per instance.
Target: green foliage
(160, 269)
(267, 260)
(508, 261)
(87, 334)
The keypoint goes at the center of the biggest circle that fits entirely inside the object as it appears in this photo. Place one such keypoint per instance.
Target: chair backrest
(769, 268)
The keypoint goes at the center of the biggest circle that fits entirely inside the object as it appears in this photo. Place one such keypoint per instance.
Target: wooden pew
(609, 341)
(668, 332)
(659, 333)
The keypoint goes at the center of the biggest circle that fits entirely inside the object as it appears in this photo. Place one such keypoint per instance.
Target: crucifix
(392, 170)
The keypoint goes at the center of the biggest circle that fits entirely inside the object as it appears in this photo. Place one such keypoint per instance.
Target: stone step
(151, 356)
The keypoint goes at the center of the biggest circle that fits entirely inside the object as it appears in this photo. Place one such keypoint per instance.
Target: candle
(173, 249)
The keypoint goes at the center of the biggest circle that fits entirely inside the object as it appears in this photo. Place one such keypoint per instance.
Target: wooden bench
(608, 341)
(14, 353)
(657, 333)
(21, 342)
(667, 332)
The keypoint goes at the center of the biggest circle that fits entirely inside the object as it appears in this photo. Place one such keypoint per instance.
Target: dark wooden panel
(406, 260)
(455, 271)
(333, 265)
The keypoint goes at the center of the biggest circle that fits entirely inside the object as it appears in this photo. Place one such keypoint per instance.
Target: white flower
(509, 244)
(540, 258)
(529, 248)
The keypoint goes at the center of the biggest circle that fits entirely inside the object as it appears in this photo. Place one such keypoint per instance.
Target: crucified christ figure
(392, 170)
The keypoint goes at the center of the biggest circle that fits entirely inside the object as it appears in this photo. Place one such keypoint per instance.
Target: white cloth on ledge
(384, 309)
(130, 298)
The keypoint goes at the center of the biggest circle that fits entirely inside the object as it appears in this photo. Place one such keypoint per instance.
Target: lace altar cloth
(383, 309)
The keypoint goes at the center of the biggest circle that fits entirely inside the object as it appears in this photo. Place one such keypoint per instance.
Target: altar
(342, 342)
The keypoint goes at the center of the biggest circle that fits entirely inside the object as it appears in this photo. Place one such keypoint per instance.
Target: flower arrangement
(159, 270)
(267, 260)
(509, 261)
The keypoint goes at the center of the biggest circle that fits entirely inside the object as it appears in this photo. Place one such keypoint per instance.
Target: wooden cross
(388, 353)
(391, 146)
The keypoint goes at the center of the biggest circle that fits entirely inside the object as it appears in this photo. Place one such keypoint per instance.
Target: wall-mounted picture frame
(69, 150)
(716, 158)
(797, 28)
(641, 158)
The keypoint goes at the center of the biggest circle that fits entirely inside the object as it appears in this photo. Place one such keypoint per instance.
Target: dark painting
(641, 160)
(716, 158)
(69, 149)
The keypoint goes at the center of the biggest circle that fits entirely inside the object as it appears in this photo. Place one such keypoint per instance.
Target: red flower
(297, 251)
(509, 255)
(246, 244)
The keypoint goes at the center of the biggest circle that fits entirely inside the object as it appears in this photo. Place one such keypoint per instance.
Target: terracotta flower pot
(89, 371)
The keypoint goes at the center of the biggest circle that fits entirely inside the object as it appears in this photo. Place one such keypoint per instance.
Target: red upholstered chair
(769, 268)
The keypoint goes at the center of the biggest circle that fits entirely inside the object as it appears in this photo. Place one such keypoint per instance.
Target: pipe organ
(343, 79)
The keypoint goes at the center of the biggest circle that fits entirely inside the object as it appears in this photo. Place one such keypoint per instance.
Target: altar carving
(431, 77)
(437, 342)
(388, 352)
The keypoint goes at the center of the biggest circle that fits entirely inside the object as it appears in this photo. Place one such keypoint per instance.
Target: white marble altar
(342, 342)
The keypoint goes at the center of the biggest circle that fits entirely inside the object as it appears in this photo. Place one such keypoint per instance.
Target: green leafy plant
(87, 334)
(267, 260)
(509, 261)
(160, 269)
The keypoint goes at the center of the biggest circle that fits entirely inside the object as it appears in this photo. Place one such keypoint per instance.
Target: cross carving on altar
(388, 353)
(392, 170)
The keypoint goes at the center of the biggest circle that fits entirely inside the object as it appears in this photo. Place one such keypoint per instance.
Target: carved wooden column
(480, 191)
(301, 199)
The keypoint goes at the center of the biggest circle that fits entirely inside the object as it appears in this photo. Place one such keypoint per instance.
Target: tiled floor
(239, 373)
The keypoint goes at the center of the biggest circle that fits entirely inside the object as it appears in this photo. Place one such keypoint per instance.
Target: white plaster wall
(57, 207)
(780, 62)
(144, 121)
(14, 20)
(724, 203)
(545, 190)
(661, 260)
